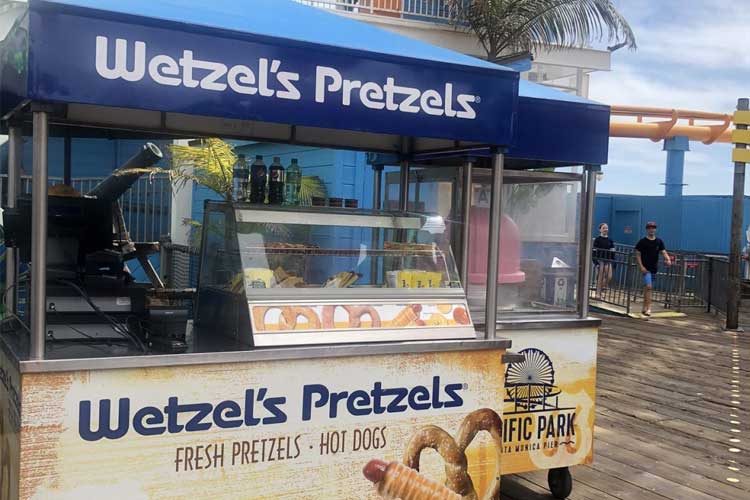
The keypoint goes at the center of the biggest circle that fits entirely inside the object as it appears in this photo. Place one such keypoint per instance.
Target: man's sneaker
(647, 312)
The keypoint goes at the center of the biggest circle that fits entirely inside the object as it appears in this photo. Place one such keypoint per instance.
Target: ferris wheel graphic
(530, 384)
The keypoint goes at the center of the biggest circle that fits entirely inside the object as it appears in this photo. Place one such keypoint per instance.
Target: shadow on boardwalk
(673, 415)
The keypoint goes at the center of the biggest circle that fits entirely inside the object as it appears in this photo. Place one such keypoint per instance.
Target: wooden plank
(655, 412)
(623, 489)
(708, 450)
(581, 491)
(676, 472)
(654, 453)
(647, 480)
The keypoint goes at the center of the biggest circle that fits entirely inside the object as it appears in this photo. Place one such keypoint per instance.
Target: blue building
(689, 223)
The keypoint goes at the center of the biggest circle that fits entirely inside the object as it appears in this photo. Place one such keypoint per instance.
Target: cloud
(693, 54)
(639, 86)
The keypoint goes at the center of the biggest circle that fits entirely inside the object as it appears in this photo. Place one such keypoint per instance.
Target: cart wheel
(560, 482)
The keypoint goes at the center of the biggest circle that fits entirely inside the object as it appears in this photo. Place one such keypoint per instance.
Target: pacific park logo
(533, 417)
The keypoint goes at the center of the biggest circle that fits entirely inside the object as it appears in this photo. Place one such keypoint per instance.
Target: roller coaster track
(660, 123)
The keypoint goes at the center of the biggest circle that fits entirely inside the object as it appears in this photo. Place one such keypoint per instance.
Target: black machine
(91, 296)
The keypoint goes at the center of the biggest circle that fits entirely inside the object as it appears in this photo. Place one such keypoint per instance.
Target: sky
(692, 54)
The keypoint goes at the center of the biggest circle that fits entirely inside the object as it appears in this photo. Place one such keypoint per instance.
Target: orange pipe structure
(665, 123)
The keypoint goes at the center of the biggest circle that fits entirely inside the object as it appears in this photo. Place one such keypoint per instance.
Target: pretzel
(288, 318)
(453, 451)
(355, 316)
(456, 474)
(487, 420)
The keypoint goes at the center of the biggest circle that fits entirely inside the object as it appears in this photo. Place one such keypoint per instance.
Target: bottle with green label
(241, 177)
(293, 183)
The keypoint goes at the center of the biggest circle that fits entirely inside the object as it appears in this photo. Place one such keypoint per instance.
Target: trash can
(559, 286)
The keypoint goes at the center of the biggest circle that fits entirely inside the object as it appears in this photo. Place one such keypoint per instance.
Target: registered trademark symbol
(477, 99)
(465, 386)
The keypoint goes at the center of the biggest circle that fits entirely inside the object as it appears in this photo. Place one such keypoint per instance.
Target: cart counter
(268, 423)
(298, 422)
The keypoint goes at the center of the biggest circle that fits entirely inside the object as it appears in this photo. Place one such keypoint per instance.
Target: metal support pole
(588, 197)
(493, 253)
(39, 235)
(675, 174)
(377, 189)
(735, 242)
(403, 195)
(465, 213)
(15, 154)
(67, 169)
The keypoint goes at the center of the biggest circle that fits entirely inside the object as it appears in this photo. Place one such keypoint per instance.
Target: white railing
(146, 206)
(419, 10)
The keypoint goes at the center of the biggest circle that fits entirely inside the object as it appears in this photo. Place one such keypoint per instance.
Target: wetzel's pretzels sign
(300, 429)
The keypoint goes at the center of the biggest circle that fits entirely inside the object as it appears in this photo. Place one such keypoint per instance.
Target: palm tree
(515, 26)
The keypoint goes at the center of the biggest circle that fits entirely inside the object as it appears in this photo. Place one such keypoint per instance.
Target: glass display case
(539, 235)
(275, 275)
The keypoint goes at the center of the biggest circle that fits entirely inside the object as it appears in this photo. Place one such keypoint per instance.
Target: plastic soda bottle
(240, 177)
(293, 183)
(258, 177)
(276, 182)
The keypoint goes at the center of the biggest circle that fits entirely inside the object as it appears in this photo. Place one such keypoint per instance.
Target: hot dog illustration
(395, 481)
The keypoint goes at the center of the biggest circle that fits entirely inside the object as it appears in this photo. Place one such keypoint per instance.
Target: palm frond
(211, 165)
(520, 25)
(311, 187)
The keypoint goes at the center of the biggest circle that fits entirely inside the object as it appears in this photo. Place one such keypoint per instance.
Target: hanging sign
(77, 59)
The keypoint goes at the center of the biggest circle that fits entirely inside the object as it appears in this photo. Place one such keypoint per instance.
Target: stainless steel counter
(101, 357)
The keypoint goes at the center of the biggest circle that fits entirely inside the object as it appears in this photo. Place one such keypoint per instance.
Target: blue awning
(553, 129)
(259, 62)
(558, 128)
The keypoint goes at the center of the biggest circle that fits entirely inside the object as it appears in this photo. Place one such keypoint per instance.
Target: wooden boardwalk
(673, 415)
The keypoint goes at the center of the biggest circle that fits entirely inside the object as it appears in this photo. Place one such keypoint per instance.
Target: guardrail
(418, 10)
(690, 282)
(146, 205)
(717, 293)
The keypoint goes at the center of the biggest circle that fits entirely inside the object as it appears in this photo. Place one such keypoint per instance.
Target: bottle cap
(276, 159)
(258, 157)
(241, 157)
(294, 160)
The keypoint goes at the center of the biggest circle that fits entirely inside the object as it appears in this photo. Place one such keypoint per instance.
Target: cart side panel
(548, 418)
(260, 430)
(10, 424)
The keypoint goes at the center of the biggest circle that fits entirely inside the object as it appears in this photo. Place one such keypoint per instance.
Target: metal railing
(421, 10)
(718, 285)
(179, 265)
(146, 205)
(687, 283)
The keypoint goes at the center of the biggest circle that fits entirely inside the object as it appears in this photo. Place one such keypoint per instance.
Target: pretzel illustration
(288, 318)
(453, 451)
(456, 474)
(355, 316)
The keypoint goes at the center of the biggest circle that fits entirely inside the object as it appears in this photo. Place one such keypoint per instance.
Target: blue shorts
(649, 278)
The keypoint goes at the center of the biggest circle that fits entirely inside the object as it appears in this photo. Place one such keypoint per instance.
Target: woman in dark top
(604, 259)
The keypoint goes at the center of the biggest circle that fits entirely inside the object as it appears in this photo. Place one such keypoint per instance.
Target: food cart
(378, 351)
